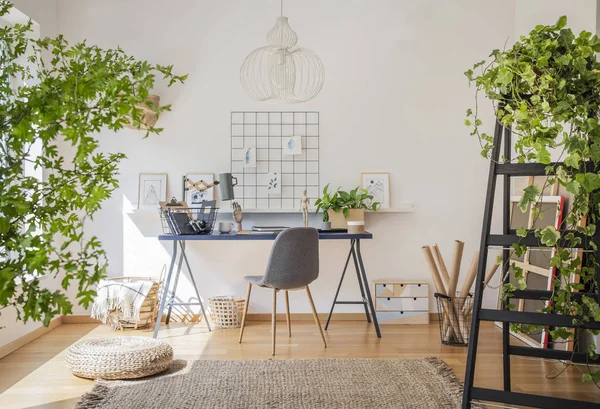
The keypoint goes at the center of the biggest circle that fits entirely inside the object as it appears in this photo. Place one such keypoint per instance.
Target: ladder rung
(531, 169)
(545, 295)
(577, 357)
(522, 169)
(507, 240)
(533, 318)
(523, 399)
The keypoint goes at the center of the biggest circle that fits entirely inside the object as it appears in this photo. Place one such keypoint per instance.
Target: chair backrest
(294, 259)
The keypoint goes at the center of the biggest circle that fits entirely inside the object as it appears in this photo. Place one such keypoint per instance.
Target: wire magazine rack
(188, 220)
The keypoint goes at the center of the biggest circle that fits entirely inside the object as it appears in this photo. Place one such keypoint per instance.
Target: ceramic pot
(325, 225)
(338, 221)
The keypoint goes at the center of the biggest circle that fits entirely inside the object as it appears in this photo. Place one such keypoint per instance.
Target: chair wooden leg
(245, 311)
(274, 320)
(314, 311)
(287, 313)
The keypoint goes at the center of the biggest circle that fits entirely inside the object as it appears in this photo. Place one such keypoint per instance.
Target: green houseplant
(65, 99)
(342, 206)
(325, 203)
(546, 88)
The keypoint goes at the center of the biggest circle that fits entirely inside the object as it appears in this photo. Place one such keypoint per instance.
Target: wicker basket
(149, 310)
(226, 311)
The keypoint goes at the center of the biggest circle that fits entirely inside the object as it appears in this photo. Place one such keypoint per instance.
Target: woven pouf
(119, 357)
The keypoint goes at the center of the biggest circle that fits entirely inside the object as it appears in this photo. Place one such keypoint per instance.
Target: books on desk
(268, 229)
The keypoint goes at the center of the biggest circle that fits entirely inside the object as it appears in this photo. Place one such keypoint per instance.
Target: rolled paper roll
(443, 270)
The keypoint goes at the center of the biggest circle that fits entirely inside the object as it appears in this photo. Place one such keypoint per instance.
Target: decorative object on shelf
(250, 157)
(238, 216)
(148, 115)
(351, 206)
(226, 184)
(325, 203)
(197, 188)
(226, 311)
(292, 146)
(401, 302)
(280, 73)
(152, 190)
(118, 358)
(304, 206)
(268, 132)
(274, 185)
(378, 186)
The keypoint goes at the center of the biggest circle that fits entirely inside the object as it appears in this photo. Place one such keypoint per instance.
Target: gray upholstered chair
(293, 265)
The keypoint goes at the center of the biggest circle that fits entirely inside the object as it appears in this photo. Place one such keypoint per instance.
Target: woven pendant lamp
(281, 72)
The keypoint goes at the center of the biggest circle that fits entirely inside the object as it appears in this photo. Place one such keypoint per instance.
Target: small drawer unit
(401, 302)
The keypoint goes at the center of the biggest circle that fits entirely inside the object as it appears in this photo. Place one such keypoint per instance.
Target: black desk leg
(173, 292)
(360, 282)
(337, 292)
(366, 282)
(165, 294)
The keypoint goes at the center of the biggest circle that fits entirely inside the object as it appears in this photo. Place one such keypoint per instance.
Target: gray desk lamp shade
(226, 184)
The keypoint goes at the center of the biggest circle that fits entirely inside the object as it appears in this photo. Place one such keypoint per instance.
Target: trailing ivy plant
(67, 98)
(546, 88)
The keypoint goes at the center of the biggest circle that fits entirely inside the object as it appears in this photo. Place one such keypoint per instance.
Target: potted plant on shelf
(325, 203)
(347, 206)
(546, 89)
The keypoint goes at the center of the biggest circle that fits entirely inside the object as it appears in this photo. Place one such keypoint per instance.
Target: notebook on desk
(269, 229)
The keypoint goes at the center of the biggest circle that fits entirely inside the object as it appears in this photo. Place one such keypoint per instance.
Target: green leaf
(530, 194)
(549, 236)
(522, 232)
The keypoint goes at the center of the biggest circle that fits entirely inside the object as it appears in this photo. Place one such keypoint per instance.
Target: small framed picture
(378, 186)
(292, 146)
(152, 190)
(196, 190)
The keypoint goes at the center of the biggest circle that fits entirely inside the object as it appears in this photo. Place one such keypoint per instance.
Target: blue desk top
(260, 236)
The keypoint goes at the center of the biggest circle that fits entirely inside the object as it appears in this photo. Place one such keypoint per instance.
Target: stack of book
(268, 229)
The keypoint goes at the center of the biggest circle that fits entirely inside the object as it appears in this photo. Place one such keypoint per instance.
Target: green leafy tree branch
(67, 98)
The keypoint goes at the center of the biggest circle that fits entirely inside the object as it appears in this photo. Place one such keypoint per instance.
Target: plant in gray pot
(325, 203)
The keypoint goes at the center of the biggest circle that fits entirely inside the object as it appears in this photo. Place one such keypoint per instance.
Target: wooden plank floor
(35, 376)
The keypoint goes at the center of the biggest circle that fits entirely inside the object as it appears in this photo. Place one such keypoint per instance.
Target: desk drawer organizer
(401, 302)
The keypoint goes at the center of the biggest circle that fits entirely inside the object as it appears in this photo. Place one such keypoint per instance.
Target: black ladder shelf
(505, 240)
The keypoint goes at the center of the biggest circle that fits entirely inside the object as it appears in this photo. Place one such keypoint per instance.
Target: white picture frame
(152, 190)
(193, 197)
(292, 145)
(378, 185)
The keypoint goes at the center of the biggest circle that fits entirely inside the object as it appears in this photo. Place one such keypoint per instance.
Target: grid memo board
(267, 131)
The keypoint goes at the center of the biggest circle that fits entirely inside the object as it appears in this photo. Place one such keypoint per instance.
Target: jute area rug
(306, 383)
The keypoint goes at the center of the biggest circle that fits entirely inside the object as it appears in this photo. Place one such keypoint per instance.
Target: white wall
(394, 100)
